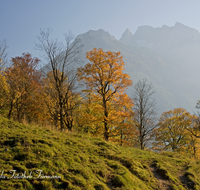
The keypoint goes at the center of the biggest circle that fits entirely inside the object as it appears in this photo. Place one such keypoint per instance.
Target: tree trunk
(106, 130)
(61, 117)
(106, 134)
(141, 144)
(10, 110)
(121, 138)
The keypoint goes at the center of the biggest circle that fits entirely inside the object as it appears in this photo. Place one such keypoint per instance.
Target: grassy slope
(89, 163)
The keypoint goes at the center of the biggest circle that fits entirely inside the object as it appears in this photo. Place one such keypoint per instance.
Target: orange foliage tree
(125, 131)
(23, 82)
(104, 76)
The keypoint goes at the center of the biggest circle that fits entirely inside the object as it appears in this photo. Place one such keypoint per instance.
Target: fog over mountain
(168, 57)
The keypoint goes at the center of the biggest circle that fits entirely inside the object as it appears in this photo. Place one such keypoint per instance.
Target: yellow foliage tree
(104, 76)
(193, 147)
(124, 131)
(4, 91)
(88, 116)
(172, 133)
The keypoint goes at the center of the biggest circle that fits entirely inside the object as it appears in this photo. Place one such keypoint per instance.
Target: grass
(83, 162)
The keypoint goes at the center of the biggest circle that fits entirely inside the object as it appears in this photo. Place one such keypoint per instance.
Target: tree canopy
(104, 76)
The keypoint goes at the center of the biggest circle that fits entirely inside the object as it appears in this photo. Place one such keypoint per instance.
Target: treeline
(91, 99)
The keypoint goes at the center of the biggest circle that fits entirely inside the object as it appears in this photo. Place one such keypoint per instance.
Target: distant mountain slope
(155, 54)
(180, 46)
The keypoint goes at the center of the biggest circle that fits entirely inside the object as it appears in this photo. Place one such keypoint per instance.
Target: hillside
(77, 161)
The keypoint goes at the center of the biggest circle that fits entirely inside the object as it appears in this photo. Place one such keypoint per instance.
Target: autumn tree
(104, 76)
(125, 132)
(23, 82)
(172, 133)
(194, 134)
(196, 127)
(60, 60)
(192, 146)
(3, 91)
(89, 115)
(144, 111)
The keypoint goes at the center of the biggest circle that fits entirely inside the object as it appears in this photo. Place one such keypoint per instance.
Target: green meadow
(40, 158)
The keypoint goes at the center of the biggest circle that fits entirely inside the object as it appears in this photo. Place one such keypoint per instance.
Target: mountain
(180, 46)
(168, 57)
(177, 43)
(140, 62)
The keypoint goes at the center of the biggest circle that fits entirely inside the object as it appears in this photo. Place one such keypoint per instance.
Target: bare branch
(145, 111)
(61, 60)
(3, 53)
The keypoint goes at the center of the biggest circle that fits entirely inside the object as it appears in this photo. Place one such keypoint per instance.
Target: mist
(168, 57)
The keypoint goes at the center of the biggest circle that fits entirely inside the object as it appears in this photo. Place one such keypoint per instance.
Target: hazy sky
(21, 20)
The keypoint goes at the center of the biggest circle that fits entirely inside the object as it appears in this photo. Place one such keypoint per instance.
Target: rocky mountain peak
(126, 36)
(92, 34)
(127, 33)
(178, 24)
